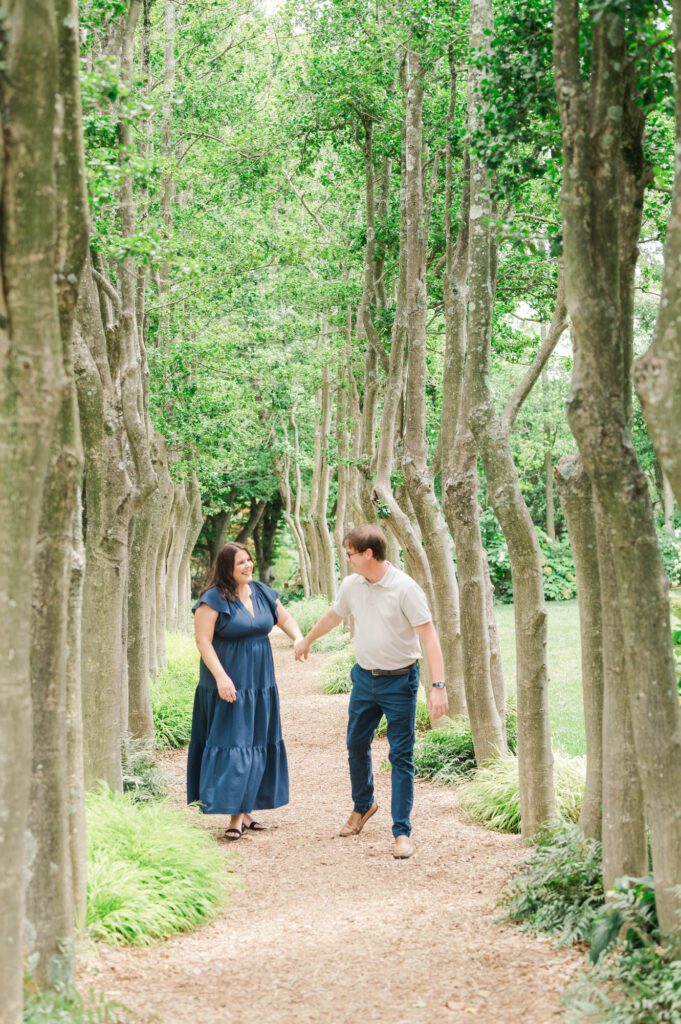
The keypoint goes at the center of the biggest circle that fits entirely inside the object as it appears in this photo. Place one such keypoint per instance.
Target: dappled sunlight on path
(334, 931)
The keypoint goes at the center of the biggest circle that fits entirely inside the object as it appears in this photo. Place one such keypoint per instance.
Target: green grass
(172, 695)
(151, 872)
(565, 670)
(492, 795)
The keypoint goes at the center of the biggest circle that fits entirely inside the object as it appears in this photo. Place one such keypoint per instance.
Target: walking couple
(237, 759)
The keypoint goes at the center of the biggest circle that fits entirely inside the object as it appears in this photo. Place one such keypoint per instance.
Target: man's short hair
(365, 536)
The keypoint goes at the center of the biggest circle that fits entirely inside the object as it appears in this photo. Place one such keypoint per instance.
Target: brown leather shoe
(356, 822)
(403, 848)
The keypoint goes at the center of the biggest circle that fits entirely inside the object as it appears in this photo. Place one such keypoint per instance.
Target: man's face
(360, 561)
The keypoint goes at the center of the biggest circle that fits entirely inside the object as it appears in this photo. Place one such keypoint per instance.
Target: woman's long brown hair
(222, 576)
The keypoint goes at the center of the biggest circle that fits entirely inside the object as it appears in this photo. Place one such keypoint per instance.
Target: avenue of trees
(406, 262)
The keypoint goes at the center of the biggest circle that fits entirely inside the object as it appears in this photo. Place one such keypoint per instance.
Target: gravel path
(334, 931)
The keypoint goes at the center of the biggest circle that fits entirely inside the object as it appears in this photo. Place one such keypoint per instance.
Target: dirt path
(334, 931)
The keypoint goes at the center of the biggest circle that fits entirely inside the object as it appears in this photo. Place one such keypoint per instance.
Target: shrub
(557, 561)
(492, 795)
(444, 755)
(142, 777)
(306, 613)
(172, 695)
(151, 872)
(336, 678)
(69, 1007)
(630, 917)
(559, 890)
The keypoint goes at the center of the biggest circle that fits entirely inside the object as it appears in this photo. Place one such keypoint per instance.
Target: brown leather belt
(392, 671)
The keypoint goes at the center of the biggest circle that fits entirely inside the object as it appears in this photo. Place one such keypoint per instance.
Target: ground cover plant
(641, 986)
(172, 694)
(492, 795)
(559, 890)
(71, 1007)
(142, 777)
(151, 872)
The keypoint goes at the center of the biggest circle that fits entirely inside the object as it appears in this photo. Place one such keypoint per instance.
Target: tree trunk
(49, 908)
(140, 721)
(264, 538)
(167, 493)
(30, 386)
(604, 178)
(180, 520)
(107, 509)
(194, 525)
(417, 474)
(535, 759)
(246, 532)
(218, 534)
(74, 727)
(625, 851)
(576, 498)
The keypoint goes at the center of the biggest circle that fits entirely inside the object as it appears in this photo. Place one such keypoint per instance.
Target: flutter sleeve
(214, 600)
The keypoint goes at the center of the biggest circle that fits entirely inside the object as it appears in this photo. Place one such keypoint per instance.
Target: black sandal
(232, 834)
(255, 826)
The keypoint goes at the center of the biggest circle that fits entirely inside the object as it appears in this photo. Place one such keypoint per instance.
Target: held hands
(226, 689)
(301, 649)
(438, 705)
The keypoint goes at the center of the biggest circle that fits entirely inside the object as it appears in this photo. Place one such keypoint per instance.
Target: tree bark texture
(535, 758)
(577, 502)
(417, 473)
(39, 251)
(604, 177)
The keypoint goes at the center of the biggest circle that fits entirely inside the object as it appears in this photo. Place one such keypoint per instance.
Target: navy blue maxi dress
(237, 759)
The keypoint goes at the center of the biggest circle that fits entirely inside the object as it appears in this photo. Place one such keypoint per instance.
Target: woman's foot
(252, 825)
(235, 829)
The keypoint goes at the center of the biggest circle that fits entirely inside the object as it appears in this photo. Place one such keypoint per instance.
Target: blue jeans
(394, 697)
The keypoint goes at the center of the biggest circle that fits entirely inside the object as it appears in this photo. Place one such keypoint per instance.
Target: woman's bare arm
(204, 628)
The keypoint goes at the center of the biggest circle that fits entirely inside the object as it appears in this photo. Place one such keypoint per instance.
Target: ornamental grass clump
(151, 872)
(492, 795)
(559, 890)
(336, 678)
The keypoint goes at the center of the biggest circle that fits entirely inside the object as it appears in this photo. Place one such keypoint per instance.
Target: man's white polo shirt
(385, 614)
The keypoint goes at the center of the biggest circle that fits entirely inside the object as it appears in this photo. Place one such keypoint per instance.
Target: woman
(237, 759)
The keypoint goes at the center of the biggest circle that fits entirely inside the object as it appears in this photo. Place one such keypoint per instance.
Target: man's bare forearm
(328, 621)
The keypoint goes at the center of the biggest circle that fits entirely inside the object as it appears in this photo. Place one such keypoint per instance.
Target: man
(390, 614)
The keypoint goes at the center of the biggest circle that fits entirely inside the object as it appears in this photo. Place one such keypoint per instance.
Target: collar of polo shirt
(383, 579)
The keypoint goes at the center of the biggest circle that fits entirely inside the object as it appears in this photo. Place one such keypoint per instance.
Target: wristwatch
(439, 686)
